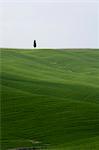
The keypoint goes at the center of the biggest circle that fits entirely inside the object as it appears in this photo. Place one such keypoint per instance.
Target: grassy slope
(50, 96)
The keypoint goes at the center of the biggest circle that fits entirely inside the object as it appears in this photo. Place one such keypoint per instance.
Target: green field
(50, 96)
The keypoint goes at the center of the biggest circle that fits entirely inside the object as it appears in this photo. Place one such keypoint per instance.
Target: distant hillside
(50, 96)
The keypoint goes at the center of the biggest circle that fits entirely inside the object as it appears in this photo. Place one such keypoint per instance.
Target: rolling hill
(50, 96)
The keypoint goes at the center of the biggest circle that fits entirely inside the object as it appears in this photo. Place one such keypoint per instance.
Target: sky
(52, 23)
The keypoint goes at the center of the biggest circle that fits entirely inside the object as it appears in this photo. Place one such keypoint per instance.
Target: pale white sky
(53, 23)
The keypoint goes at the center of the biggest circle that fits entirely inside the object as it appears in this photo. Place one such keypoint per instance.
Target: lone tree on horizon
(34, 44)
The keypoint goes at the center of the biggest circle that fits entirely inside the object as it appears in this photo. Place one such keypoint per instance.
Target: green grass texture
(50, 96)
